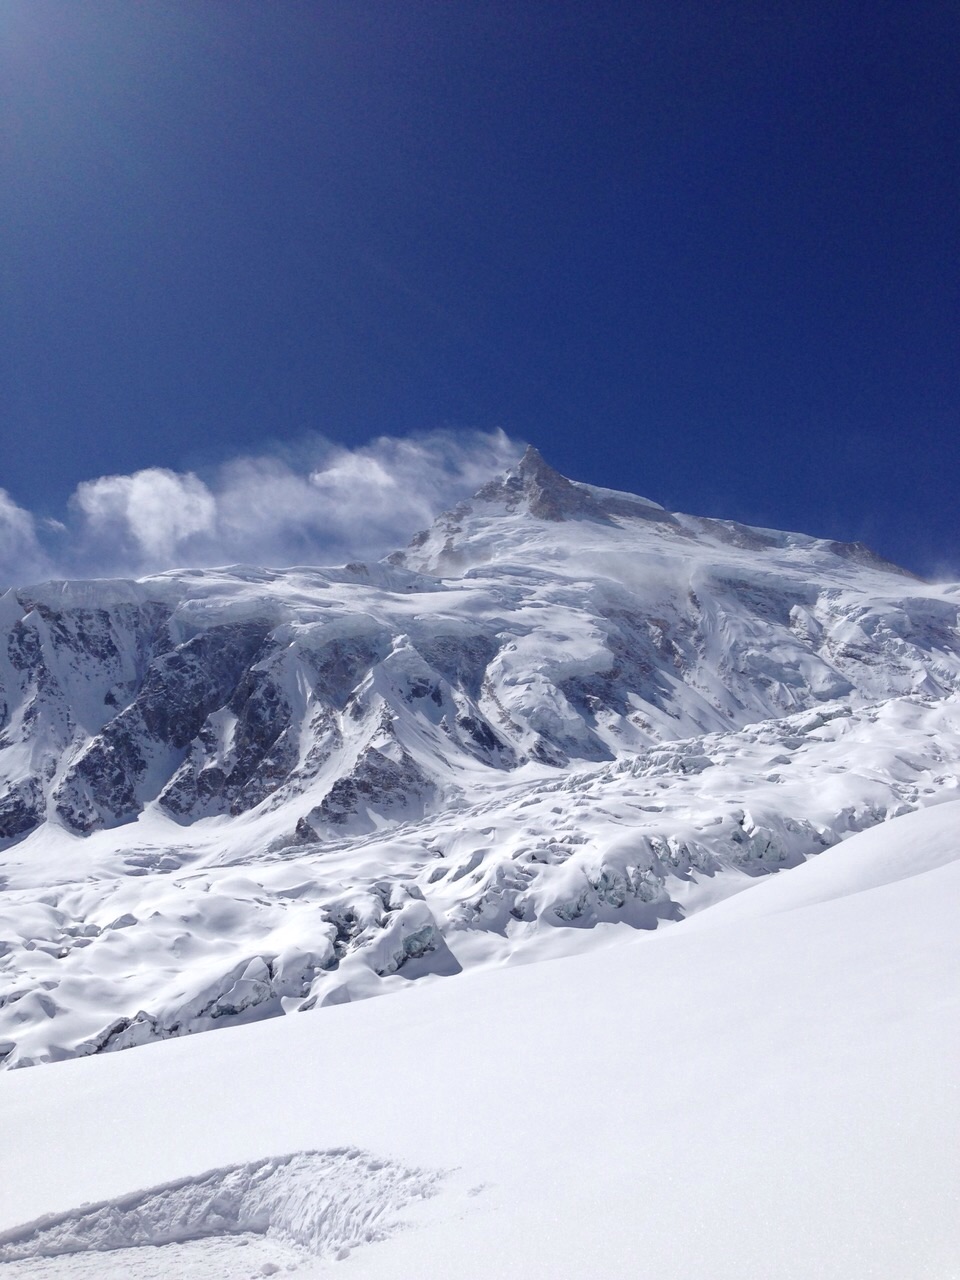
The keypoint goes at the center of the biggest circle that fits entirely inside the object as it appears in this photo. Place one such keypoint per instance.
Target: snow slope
(562, 712)
(768, 1089)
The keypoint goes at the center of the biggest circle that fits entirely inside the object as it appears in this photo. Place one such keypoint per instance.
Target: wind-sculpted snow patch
(322, 1203)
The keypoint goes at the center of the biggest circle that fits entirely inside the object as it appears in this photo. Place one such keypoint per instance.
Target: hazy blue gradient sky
(704, 251)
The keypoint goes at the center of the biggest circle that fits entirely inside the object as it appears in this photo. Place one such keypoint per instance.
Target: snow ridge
(324, 1202)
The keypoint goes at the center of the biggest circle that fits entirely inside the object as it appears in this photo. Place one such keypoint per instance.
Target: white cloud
(320, 503)
(158, 510)
(350, 504)
(21, 555)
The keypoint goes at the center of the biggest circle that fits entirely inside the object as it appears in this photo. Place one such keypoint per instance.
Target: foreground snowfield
(768, 1089)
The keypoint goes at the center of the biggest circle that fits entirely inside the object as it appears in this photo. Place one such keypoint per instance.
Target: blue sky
(706, 252)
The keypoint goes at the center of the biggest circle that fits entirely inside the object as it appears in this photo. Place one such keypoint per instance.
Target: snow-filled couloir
(232, 793)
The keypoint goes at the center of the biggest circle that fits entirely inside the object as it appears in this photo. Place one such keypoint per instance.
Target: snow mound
(912, 844)
(323, 1202)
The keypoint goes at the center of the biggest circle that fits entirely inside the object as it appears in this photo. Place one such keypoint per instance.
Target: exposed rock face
(111, 778)
(244, 749)
(21, 808)
(543, 492)
(535, 487)
(391, 786)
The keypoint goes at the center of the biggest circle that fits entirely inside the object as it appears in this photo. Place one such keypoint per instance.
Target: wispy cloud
(20, 547)
(148, 516)
(319, 503)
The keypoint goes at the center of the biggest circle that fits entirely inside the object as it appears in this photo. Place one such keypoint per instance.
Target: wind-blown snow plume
(320, 503)
(20, 549)
(154, 511)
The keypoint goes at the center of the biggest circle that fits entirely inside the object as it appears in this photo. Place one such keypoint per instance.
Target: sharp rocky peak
(535, 486)
(531, 488)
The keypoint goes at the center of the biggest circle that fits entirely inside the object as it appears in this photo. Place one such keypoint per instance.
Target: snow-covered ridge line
(249, 791)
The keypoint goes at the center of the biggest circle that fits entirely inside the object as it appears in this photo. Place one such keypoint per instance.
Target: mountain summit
(544, 492)
(560, 706)
(505, 518)
(532, 491)
(535, 487)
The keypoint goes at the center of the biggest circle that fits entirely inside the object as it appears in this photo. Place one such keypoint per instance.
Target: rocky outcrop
(22, 808)
(126, 763)
(390, 785)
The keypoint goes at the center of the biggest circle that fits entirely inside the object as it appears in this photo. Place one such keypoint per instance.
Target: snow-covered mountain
(560, 711)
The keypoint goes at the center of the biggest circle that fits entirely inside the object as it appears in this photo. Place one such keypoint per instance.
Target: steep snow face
(559, 707)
